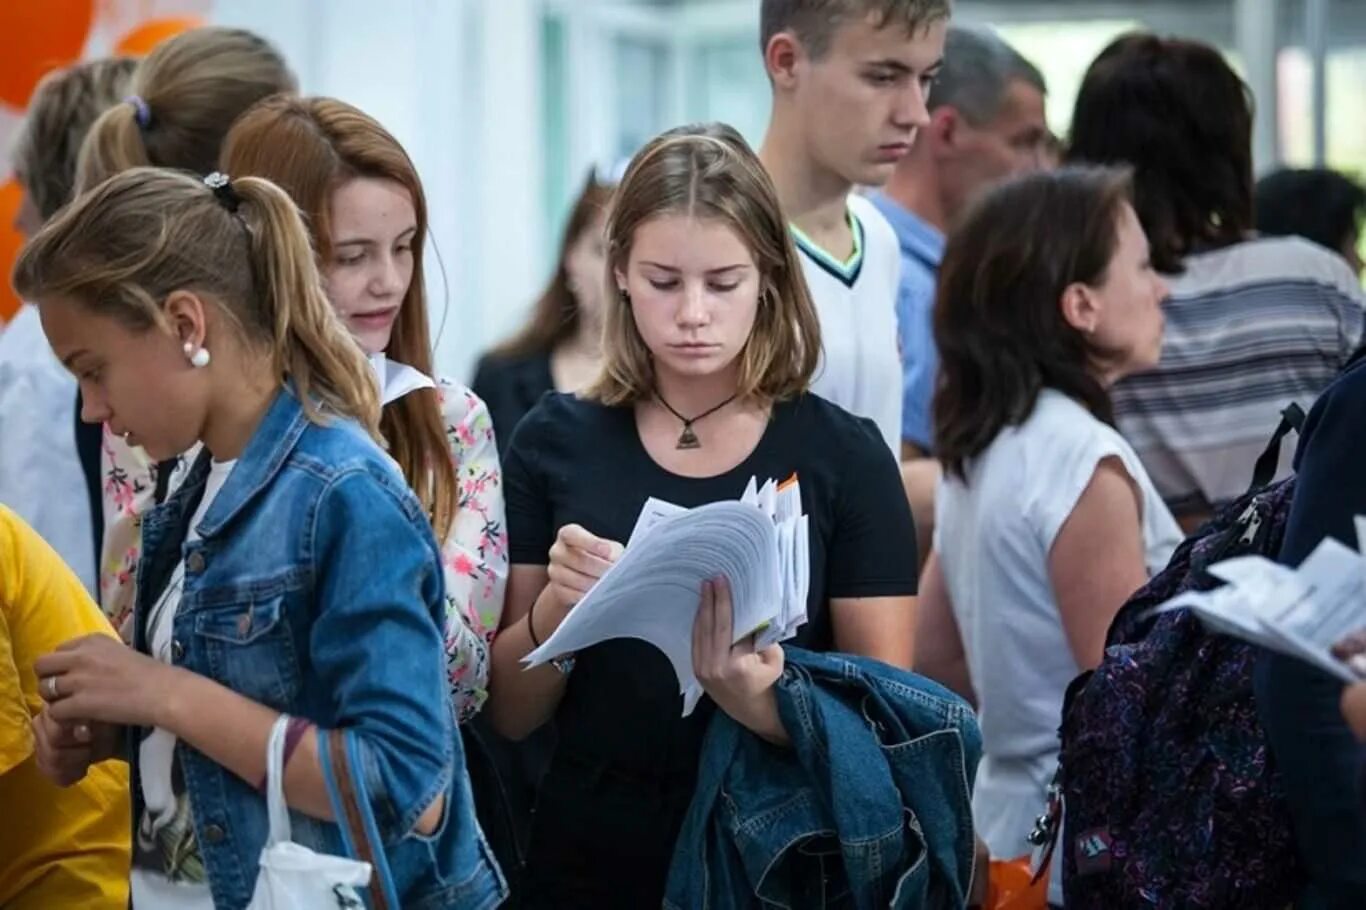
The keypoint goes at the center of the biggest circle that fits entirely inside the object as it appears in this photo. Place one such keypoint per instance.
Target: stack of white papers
(1299, 612)
(761, 544)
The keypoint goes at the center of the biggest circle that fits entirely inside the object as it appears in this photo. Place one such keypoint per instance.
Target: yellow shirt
(58, 847)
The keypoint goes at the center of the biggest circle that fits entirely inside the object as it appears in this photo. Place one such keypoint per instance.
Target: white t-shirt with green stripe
(856, 301)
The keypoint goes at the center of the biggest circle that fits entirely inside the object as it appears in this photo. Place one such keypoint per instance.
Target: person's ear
(187, 316)
(782, 59)
(1080, 308)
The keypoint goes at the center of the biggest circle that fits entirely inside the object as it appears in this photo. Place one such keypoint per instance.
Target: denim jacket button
(177, 651)
(195, 563)
(213, 834)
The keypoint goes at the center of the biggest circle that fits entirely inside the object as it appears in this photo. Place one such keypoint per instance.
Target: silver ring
(52, 692)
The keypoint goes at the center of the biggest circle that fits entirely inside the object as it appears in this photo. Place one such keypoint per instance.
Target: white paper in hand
(652, 592)
(1298, 612)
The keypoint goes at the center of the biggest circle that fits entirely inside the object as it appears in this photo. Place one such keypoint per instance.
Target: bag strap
(276, 807)
(1292, 418)
(354, 820)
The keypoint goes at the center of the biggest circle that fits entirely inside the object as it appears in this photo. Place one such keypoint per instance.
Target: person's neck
(234, 419)
(695, 395)
(814, 199)
(915, 187)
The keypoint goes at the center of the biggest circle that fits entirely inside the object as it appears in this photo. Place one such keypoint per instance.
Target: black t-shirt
(580, 462)
(626, 763)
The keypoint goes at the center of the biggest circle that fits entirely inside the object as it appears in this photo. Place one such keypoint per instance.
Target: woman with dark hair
(1253, 324)
(560, 347)
(1317, 204)
(1046, 521)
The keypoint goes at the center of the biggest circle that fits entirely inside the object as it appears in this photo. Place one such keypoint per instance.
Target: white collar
(396, 379)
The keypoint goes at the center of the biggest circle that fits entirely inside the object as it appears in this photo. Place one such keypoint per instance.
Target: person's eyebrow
(69, 361)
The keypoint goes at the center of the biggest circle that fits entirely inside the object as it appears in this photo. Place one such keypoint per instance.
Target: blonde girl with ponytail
(180, 102)
(292, 573)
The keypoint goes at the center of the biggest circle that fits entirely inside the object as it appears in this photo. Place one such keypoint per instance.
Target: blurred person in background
(986, 123)
(560, 347)
(1321, 205)
(1253, 324)
(49, 458)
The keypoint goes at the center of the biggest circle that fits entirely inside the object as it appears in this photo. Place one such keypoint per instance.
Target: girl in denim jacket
(293, 572)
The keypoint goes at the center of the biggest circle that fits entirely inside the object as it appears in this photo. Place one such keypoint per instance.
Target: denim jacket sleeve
(376, 646)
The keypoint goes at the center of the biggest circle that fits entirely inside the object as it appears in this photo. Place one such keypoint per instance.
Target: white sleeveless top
(993, 536)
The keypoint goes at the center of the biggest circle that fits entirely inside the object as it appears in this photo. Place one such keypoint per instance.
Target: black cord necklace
(688, 439)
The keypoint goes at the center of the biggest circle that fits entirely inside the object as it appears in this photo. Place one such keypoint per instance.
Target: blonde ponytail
(310, 344)
(124, 247)
(113, 145)
(186, 94)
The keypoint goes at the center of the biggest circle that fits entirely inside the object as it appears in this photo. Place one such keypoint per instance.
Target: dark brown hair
(998, 322)
(815, 22)
(1178, 114)
(309, 147)
(555, 317)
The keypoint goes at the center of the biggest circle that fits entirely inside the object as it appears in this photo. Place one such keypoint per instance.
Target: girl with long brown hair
(710, 342)
(560, 347)
(364, 204)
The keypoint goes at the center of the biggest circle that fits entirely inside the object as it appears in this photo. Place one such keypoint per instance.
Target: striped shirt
(1250, 328)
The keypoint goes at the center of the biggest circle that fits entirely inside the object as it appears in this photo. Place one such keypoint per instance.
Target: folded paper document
(1299, 612)
(759, 543)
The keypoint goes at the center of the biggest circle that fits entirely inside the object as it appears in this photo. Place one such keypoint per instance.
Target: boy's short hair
(815, 22)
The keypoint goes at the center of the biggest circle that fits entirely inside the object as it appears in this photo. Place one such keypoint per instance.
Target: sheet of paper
(651, 514)
(760, 543)
(1299, 612)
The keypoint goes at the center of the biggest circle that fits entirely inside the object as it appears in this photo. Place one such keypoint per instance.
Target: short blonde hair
(708, 171)
(64, 105)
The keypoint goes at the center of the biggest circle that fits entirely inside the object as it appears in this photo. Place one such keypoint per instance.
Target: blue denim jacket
(871, 806)
(316, 590)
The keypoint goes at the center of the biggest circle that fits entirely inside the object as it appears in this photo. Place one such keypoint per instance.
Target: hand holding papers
(1300, 612)
(760, 544)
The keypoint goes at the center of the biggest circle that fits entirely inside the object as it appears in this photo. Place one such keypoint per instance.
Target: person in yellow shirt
(61, 847)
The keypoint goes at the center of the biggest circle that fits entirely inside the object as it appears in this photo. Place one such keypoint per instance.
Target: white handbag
(293, 877)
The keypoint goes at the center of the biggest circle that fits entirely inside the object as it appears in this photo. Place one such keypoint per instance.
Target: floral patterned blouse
(474, 554)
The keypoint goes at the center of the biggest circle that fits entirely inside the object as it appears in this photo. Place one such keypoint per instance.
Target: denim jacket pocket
(248, 647)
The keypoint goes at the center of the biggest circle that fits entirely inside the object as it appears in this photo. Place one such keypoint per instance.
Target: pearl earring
(199, 357)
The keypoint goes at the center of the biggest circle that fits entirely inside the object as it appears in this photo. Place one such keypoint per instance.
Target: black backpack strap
(1264, 471)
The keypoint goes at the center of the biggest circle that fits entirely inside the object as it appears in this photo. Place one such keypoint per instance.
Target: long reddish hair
(309, 147)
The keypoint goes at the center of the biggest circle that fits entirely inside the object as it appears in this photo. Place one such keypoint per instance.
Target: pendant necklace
(688, 439)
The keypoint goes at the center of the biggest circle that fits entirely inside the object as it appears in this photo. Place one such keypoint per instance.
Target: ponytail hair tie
(142, 112)
(223, 191)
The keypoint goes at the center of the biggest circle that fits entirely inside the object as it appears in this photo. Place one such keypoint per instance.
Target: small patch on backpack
(1093, 851)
